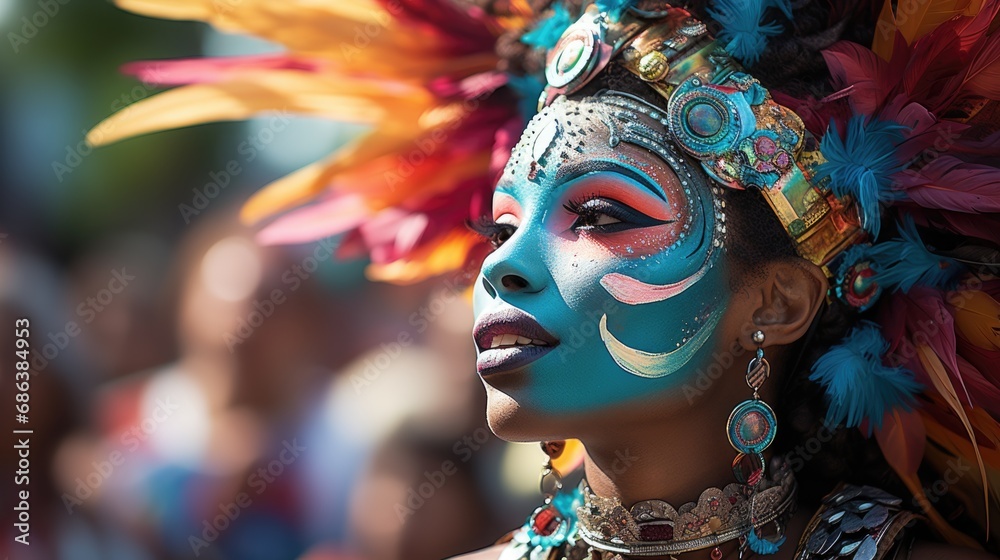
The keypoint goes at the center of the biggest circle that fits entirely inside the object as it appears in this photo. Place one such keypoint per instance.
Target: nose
(517, 267)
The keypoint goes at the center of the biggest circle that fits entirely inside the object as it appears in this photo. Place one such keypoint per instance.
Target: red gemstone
(656, 531)
(748, 468)
(546, 521)
(716, 554)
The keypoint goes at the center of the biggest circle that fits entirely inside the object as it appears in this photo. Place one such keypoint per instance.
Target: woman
(683, 264)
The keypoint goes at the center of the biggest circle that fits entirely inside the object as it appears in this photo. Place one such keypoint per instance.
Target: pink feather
(332, 216)
(209, 70)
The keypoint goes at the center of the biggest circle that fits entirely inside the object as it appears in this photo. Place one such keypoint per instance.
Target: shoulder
(491, 553)
(938, 551)
(868, 522)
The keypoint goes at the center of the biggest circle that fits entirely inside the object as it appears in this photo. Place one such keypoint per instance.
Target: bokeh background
(195, 395)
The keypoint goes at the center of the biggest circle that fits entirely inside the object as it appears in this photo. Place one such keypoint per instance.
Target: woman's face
(607, 283)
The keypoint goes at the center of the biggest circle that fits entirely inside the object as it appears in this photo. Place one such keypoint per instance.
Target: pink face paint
(504, 204)
(632, 291)
(631, 243)
(636, 292)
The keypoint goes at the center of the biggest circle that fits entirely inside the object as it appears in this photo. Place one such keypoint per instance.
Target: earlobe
(792, 294)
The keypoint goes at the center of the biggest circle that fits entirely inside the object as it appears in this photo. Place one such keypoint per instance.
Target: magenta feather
(948, 183)
(929, 322)
(466, 28)
(984, 392)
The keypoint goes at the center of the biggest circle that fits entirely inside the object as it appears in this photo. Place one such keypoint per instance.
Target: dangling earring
(548, 525)
(751, 428)
(550, 481)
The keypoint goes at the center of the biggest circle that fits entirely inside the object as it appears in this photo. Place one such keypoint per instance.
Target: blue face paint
(610, 285)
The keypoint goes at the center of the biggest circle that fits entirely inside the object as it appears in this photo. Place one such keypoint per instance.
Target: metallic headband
(715, 112)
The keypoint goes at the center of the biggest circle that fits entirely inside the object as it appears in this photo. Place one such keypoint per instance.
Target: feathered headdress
(422, 73)
(891, 183)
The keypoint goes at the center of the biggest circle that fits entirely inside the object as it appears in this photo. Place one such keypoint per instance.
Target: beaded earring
(547, 521)
(751, 429)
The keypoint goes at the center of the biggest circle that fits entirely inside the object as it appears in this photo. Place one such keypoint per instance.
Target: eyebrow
(575, 171)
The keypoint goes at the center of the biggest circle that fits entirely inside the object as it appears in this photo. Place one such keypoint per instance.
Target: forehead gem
(570, 55)
(704, 119)
(544, 141)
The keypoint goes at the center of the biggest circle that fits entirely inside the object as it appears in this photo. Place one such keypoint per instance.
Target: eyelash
(497, 234)
(589, 208)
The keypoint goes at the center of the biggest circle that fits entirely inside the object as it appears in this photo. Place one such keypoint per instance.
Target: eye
(494, 232)
(607, 216)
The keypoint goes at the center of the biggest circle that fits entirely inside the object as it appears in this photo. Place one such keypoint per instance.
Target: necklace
(580, 524)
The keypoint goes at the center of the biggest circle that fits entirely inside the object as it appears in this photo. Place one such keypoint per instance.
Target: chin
(511, 421)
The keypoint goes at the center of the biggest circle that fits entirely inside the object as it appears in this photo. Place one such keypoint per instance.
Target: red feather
(982, 226)
(868, 77)
(982, 78)
(948, 183)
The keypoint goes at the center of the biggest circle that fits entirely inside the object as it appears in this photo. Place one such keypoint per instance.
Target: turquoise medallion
(752, 426)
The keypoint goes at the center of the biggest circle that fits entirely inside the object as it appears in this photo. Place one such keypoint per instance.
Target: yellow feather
(885, 32)
(169, 9)
(254, 92)
(915, 19)
(302, 185)
(977, 318)
(363, 11)
(571, 457)
(939, 377)
(433, 259)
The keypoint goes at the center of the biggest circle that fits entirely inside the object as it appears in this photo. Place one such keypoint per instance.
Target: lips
(509, 339)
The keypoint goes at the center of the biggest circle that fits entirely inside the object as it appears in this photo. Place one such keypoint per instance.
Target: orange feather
(939, 377)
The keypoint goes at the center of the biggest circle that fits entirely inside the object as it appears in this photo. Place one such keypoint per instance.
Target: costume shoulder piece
(858, 522)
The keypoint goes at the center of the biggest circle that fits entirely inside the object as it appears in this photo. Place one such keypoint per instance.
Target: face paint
(652, 365)
(612, 248)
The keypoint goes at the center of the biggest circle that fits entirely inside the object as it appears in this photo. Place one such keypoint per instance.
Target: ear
(787, 300)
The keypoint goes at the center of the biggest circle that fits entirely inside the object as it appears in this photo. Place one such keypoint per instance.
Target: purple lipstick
(509, 339)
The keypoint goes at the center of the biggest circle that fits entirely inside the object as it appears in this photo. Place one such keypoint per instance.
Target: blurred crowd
(196, 395)
(222, 400)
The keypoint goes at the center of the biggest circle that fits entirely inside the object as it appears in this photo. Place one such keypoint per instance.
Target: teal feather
(744, 33)
(528, 89)
(905, 262)
(615, 8)
(861, 165)
(549, 30)
(763, 546)
(859, 387)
